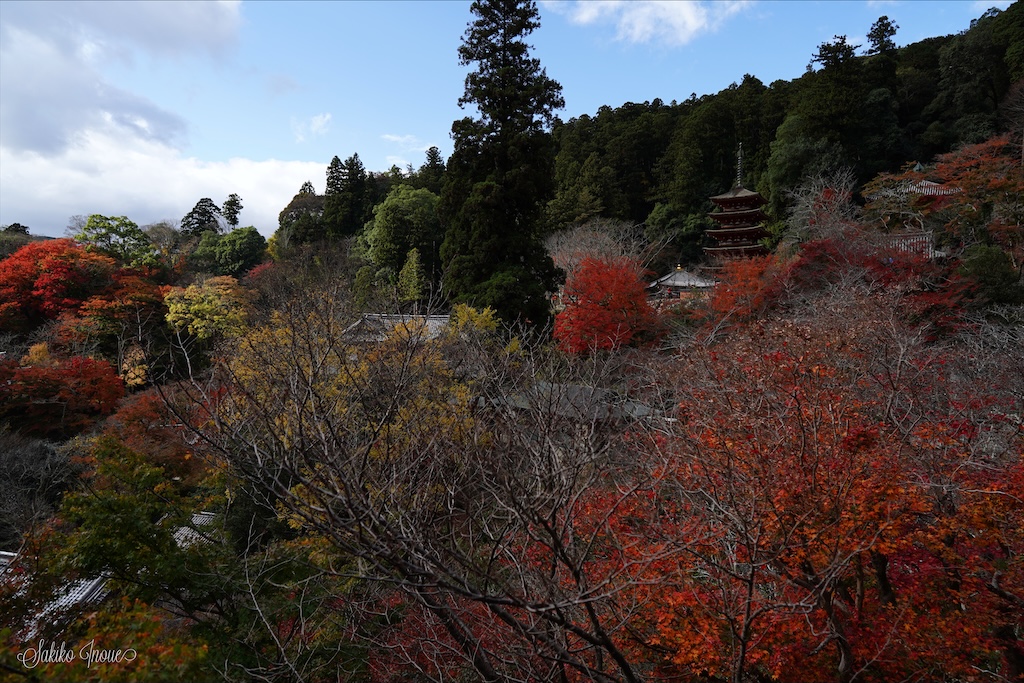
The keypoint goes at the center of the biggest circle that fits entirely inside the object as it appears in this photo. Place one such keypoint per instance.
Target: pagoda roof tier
(738, 249)
(719, 233)
(751, 215)
(739, 195)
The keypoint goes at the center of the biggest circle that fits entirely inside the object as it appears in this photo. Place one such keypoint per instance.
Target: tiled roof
(375, 327)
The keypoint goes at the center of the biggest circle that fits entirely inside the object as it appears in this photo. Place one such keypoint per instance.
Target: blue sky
(143, 108)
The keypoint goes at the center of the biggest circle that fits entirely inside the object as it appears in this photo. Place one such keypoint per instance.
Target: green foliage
(362, 287)
(491, 263)
(407, 219)
(203, 258)
(120, 238)
(837, 54)
(232, 254)
(499, 176)
(881, 36)
(232, 207)
(10, 242)
(133, 496)
(240, 250)
(430, 175)
(991, 269)
(684, 232)
(203, 217)
(345, 206)
(17, 229)
(798, 153)
(301, 222)
(411, 279)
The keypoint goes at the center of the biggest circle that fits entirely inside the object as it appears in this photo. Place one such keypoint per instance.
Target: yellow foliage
(38, 355)
(465, 318)
(216, 306)
(134, 371)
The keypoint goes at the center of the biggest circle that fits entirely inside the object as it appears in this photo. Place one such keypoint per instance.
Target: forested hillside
(440, 427)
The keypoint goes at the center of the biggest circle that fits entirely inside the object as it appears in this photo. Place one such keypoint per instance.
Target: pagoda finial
(739, 167)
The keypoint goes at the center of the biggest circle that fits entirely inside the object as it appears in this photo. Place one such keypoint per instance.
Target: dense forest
(441, 427)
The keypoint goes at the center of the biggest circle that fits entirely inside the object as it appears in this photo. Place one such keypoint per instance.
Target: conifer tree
(501, 172)
(431, 174)
(204, 216)
(232, 207)
(411, 279)
(345, 198)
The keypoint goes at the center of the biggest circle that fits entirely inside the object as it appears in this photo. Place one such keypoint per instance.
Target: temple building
(739, 222)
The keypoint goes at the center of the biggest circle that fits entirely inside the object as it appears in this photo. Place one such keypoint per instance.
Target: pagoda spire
(739, 166)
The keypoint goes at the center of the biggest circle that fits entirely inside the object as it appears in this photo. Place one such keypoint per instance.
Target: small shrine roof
(682, 279)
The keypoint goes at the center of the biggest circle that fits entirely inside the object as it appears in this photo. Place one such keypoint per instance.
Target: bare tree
(489, 504)
(602, 238)
(822, 206)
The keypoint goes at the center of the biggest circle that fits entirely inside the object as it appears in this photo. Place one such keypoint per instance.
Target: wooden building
(739, 225)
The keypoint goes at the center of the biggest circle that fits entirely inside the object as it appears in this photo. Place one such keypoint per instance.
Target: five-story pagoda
(739, 222)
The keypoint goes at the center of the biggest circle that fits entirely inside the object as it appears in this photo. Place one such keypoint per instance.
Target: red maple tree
(605, 307)
(43, 279)
(59, 399)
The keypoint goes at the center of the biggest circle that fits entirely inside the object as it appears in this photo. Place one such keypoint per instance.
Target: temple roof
(682, 279)
(738, 214)
(739, 192)
(742, 248)
(737, 230)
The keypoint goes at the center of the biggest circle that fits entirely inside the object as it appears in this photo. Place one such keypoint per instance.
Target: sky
(142, 108)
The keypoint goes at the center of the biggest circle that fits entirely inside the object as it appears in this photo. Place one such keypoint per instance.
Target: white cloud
(108, 29)
(319, 124)
(52, 90)
(43, 108)
(394, 160)
(669, 22)
(982, 6)
(408, 143)
(314, 126)
(143, 179)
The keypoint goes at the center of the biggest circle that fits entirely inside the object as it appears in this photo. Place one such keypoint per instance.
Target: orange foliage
(43, 279)
(745, 289)
(820, 539)
(59, 399)
(605, 307)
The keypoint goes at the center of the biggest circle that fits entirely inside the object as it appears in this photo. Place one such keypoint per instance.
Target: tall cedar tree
(345, 209)
(232, 207)
(431, 174)
(501, 171)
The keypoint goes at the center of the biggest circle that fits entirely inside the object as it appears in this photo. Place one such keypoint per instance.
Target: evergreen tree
(411, 279)
(406, 219)
(345, 208)
(301, 222)
(430, 175)
(335, 178)
(203, 217)
(231, 254)
(501, 172)
(232, 207)
(881, 36)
